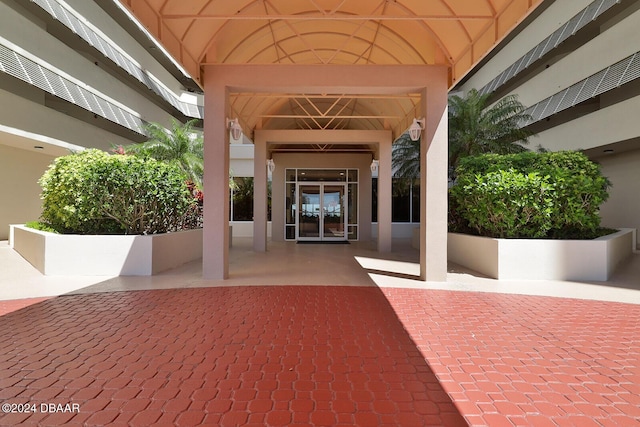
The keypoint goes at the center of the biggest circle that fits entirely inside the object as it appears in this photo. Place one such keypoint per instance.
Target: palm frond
(179, 145)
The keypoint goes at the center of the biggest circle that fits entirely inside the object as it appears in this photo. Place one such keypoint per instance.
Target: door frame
(344, 209)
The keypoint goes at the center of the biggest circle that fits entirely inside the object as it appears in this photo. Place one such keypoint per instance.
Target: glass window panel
(353, 175)
(353, 203)
(415, 201)
(320, 175)
(353, 232)
(290, 174)
(290, 204)
(269, 193)
(243, 199)
(332, 211)
(309, 215)
(400, 199)
(290, 232)
(374, 199)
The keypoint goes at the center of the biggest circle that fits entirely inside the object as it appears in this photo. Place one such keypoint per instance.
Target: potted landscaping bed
(105, 255)
(112, 215)
(533, 216)
(542, 259)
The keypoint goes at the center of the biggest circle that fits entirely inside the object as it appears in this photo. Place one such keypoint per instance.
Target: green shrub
(554, 195)
(93, 192)
(37, 225)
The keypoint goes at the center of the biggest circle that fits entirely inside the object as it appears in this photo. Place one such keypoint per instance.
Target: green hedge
(93, 192)
(529, 195)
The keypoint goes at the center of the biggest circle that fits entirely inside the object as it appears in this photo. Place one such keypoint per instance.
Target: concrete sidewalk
(285, 263)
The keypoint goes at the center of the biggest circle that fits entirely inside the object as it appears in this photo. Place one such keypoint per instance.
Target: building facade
(75, 75)
(79, 74)
(576, 66)
(346, 79)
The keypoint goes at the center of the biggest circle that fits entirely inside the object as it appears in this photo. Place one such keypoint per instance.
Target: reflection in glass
(401, 199)
(290, 232)
(318, 175)
(353, 204)
(242, 199)
(333, 216)
(290, 204)
(353, 232)
(309, 219)
(415, 201)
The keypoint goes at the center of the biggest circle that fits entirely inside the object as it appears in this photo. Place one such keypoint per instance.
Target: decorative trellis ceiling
(454, 33)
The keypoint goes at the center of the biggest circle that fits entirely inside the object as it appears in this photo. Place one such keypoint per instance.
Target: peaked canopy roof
(453, 33)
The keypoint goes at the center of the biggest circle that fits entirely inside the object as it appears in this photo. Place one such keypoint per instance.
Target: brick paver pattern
(322, 356)
(512, 360)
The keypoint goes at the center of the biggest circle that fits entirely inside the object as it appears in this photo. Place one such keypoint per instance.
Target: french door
(322, 214)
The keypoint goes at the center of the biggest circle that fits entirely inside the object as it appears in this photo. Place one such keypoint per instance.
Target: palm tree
(405, 157)
(477, 128)
(180, 145)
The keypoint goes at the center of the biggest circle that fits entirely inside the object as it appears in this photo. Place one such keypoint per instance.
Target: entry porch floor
(319, 335)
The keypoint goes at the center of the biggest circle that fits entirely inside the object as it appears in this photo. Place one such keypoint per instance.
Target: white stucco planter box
(110, 255)
(539, 259)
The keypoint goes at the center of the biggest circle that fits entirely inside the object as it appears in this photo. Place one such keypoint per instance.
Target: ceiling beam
(313, 116)
(321, 96)
(334, 17)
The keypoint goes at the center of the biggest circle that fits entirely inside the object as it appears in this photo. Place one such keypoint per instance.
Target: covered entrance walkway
(324, 65)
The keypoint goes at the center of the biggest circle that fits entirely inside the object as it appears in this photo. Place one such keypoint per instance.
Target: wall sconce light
(271, 165)
(235, 128)
(374, 165)
(416, 129)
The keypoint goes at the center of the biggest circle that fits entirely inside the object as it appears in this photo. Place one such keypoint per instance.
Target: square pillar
(215, 246)
(434, 159)
(384, 197)
(260, 195)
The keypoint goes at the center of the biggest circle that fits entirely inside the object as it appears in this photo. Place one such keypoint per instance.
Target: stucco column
(384, 197)
(260, 195)
(433, 183)
(215, 246)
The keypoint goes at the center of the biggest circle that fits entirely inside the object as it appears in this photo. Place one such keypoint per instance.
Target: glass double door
(322, 214)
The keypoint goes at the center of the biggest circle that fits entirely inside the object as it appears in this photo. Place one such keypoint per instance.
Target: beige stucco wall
(616, 123)
(623, 207)
(23, 115)
(283, 161)
(19, 189)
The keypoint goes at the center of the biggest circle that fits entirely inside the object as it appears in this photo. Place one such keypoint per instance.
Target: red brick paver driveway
(321, 356)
